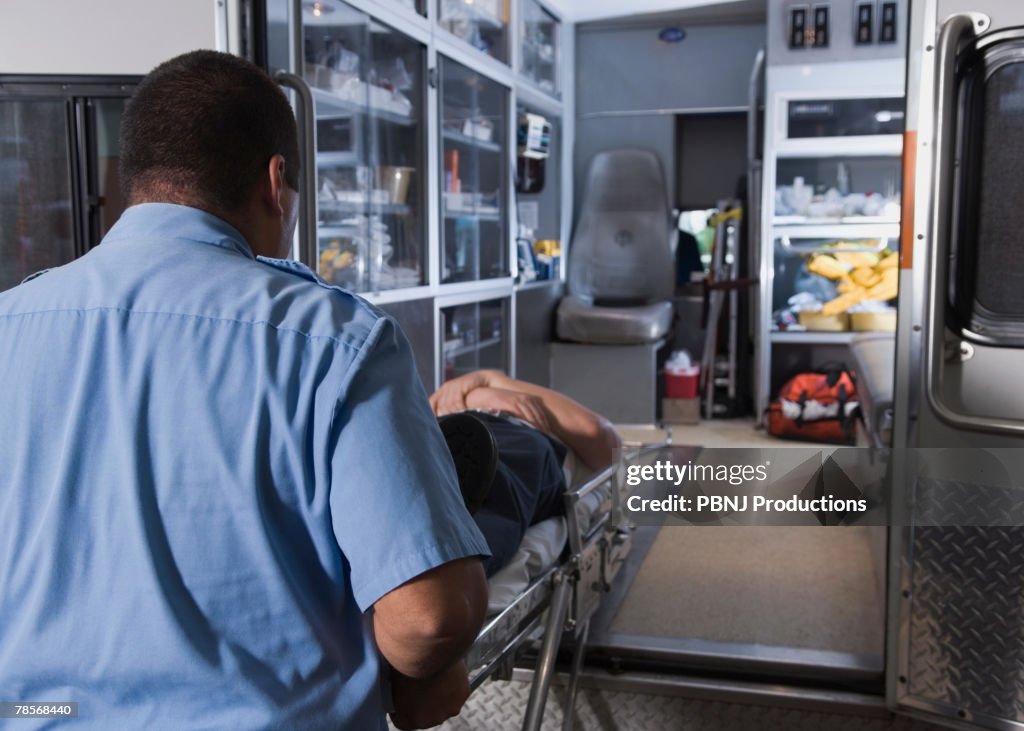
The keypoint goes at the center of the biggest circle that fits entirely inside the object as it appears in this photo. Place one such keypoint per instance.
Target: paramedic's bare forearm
(427, 703)
(588, 434)
(426, 625)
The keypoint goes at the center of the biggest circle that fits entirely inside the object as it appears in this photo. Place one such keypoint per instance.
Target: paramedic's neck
(266, 219)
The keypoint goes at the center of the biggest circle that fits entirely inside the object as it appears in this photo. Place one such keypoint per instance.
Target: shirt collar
(172, 221)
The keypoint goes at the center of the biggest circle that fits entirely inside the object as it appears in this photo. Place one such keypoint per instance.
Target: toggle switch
(887, 26)
(864, 26)
(797, 27)
(821, 26)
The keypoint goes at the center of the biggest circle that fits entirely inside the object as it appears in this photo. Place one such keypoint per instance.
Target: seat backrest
(621, 249)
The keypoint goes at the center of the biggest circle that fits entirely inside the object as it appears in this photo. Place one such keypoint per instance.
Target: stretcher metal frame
(562, 599)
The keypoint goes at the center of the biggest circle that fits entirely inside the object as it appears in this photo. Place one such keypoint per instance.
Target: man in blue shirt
(223, 494)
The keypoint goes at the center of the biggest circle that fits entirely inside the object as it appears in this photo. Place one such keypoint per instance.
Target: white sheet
(541, 546)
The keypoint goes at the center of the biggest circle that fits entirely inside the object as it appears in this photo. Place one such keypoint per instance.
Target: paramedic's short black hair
(201, 129)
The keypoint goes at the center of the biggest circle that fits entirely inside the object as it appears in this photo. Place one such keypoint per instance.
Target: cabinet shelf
(812, 337)
(328, 105)
(840, 221)
(394, 209)
(480, 214)
(336, 159)
(475, 15)
(826, 147)
(461, 139)
(471, 348)
(846, 231)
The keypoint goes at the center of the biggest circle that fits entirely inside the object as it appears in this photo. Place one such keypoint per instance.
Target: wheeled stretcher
(554, 585)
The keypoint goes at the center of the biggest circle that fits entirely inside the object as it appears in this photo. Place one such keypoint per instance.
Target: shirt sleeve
(395, 502)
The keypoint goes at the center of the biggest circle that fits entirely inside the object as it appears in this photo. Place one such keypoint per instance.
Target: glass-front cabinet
(473, 176)
(830, 249)
(59, 154)
(483, 24)
(414, 208)
(831, 280)
(847, 189)
(539, 43)
(474, 335)
(369, 90)
(420, 6)
(538, 194)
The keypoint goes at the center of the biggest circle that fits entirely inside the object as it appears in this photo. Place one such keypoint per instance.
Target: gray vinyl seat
(621, 273)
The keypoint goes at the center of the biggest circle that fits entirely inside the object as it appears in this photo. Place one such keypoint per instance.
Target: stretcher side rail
(567, 594)
(505, 632)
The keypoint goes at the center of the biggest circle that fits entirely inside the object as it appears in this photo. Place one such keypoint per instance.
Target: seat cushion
(874, 356)
(582, 322)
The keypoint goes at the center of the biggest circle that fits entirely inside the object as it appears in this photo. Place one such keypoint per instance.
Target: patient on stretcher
(516, 447)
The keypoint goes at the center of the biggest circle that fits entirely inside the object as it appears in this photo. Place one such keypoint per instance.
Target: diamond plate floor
(499, 706)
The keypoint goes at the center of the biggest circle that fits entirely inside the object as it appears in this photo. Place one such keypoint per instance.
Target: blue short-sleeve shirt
(211, 466)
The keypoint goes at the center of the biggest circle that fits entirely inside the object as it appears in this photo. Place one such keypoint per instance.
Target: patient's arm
(524, 405)
(586, 433)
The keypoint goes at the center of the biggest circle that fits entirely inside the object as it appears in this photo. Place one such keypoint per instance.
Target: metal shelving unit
(806, 337)
(361, 132)
(331, 104)
(461, 139)
(861, 164)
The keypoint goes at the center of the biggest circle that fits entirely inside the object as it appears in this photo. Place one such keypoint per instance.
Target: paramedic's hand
(428, 702)
(451, 397)
(524, 405)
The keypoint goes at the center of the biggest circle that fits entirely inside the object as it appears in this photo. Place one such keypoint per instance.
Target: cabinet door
(837, 190)
(841, 273)
(538, 194)
(474, 175)
(474, 336)
(36, 218)
(420, 6)
(369, 90)
(59, 186)
(416, 319)
(481, 23)
(539, 57)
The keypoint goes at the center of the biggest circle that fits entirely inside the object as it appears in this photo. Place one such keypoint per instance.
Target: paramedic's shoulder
(306, 303)
(427, 609)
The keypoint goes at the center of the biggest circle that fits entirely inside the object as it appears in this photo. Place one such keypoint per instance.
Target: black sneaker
(475, 454)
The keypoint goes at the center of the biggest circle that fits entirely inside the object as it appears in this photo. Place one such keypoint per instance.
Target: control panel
(838, 30)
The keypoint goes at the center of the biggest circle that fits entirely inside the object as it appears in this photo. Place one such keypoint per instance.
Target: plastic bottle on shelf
(801, 196)
(843, 179)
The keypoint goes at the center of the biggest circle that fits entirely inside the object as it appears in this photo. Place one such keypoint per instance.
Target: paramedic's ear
(277, 185)
(284, 205)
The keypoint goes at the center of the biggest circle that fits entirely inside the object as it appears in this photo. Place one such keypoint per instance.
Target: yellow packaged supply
(843, 302)
(820, 322)
(827, 266)
(874, 321)
(887, 288)
(865, 276)
(856, 259)
(889, 261)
